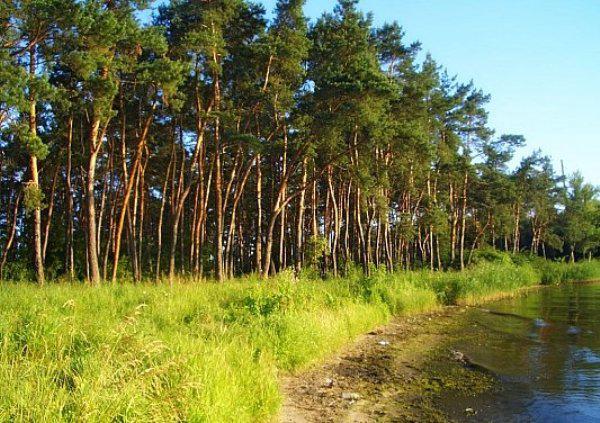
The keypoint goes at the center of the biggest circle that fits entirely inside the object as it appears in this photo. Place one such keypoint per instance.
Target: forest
(329, 170)
(218, 139)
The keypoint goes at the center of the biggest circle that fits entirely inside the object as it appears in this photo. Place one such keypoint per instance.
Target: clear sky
(539, 60)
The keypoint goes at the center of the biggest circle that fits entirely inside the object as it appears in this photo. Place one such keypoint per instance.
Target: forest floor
(402, 372)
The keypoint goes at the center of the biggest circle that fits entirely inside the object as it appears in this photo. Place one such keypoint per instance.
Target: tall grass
(207, 352)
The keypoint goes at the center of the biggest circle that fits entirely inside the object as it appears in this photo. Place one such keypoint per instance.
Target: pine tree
(216, 141)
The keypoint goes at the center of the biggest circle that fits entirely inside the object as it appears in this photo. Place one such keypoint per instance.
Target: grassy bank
(207, 352)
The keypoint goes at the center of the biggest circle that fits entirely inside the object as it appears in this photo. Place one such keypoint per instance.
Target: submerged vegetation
(209, 352)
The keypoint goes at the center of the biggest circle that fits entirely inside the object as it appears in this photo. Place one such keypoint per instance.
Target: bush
(490, 255)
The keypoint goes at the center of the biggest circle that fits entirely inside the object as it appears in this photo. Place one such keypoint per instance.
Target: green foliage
(216, 79)
(553, 273)
(18, 271)
(316, 247)
(13, 82)
(80, 64)
(580, 217)
(490, 255)
(390, 142)
(32, 142)
(33, 197)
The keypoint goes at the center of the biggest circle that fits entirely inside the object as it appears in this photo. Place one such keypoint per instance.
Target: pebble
(352, 396)
(458, 356)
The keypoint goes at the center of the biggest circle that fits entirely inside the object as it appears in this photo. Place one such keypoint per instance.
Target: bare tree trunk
(463, 226)
(142, 210)
(361, 235)
(431, 202)
(34, 182)
(176, 210)
(11, 237)
(300, 218)
(163, 202)
(135, 167)
(230, 235)
(196, 210)
(112, 228)
(49, 214)
(453, 224)
(347, 253)
(369, 231)
(314, 204)
(105, 187)
(282, 227)
(182, 243)
(258, 215)
(336, 219)
(91, 205)
(219, 206)
(516, 234)
(388, 246)
(69, 258)
(174, 236)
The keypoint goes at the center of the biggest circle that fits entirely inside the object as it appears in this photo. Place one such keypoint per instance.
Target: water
(545, 350)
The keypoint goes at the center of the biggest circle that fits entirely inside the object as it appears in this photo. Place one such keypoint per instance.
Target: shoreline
(387, 375)
(392, 373)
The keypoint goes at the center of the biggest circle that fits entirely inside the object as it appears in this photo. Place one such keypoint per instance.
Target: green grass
(208, 352)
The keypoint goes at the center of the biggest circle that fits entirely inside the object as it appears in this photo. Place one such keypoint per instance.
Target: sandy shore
(402, 372)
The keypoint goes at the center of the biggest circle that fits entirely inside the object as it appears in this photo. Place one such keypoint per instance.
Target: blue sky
(539, 60)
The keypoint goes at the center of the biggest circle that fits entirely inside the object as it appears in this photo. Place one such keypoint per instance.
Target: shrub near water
(207, 352)
(555, 273)
(487, 281)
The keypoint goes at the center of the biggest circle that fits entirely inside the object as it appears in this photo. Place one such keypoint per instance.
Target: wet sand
(405, 371)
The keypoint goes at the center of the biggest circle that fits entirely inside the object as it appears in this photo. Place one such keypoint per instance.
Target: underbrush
(210, 352)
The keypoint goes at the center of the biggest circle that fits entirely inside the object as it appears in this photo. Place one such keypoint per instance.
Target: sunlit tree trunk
(34, 183)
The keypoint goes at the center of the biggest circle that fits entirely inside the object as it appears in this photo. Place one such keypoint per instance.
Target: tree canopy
(219, 140)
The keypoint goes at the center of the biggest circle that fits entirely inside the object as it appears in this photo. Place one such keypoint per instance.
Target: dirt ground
(403, 372)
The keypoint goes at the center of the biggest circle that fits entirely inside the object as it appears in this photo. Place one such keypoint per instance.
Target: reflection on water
(545, 348)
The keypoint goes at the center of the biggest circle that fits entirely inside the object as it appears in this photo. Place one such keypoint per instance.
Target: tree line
(220, 140)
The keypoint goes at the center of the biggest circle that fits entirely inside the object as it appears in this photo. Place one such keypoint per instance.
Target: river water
(544, 349)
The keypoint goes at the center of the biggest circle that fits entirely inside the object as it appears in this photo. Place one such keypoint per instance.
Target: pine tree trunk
(362, 245)
(516, 233)
(232, 223)
(336, 220)
(95, 142)
(34, 182)
(163, 202)
(259, 235)
(11, 235)
(91, 207)
(131, 180)
(218, 206)
(49, 214)
(463, 226)
(300, 218)
(174, 236)
(69, 257)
